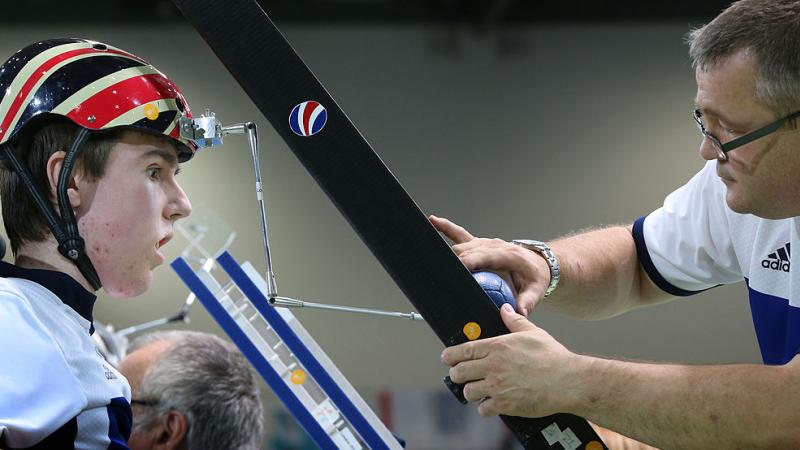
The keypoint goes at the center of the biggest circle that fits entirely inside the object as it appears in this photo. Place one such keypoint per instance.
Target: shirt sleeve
(38, 391)
(686, 246)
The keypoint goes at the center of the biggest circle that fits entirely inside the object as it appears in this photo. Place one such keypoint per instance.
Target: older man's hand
(525, 373)
(526, 272)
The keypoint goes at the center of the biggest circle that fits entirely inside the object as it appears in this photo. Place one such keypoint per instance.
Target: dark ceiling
(481, 13)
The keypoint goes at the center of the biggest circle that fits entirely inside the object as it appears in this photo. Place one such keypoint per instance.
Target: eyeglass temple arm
(750, 137)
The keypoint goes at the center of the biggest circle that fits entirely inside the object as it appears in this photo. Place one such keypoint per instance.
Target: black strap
(44, 206)
(73, 246)
(362, 188)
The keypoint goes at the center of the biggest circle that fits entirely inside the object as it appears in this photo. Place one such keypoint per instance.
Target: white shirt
(56, 390)
(695, 242)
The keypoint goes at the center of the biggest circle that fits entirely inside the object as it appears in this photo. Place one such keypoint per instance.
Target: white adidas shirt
(56, 391)
(695, 242)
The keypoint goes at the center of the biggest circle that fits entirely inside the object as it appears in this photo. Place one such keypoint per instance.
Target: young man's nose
(179, 205)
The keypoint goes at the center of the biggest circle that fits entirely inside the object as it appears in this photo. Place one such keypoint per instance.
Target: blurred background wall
(512, 128)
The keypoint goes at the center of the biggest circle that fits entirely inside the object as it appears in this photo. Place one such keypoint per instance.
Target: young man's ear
(172, 435)
(54, 164)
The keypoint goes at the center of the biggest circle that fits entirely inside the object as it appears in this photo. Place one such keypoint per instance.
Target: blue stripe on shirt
(777, 325)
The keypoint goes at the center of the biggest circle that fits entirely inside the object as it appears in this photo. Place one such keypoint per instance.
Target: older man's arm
(528, 373)
(678, 406)
(600, 273)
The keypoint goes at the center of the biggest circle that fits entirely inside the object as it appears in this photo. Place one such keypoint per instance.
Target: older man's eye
(729, 131)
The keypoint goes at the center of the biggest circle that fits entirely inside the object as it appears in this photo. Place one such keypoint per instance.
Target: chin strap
(65, 228)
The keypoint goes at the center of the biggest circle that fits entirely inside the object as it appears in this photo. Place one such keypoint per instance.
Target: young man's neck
(44, 255)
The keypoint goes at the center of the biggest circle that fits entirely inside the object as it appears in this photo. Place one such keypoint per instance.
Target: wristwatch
(548, 255)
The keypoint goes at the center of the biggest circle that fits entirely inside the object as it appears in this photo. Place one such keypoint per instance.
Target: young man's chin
(129, 287)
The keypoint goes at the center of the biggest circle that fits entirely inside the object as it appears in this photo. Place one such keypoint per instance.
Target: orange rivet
(298, 376)
(594, 445)
(472, 330)
(151, 111)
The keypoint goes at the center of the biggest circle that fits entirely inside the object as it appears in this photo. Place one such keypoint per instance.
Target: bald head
(137, 363)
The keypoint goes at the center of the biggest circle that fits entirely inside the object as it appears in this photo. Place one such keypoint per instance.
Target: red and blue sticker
(308, 118)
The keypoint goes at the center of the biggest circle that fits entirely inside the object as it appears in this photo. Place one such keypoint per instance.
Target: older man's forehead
(136, 364)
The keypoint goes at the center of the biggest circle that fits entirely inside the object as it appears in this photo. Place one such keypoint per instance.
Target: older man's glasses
(139, 402)
(723, 149)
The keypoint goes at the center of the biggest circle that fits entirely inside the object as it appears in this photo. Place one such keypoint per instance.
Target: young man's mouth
(163, 241)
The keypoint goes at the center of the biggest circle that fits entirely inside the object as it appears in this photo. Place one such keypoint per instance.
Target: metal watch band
(548, 255)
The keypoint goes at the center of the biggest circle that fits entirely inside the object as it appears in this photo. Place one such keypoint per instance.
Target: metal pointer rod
(287, 302)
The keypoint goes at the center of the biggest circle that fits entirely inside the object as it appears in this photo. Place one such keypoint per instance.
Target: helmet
(95, 85)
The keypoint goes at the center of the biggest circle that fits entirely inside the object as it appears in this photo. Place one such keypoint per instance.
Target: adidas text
(775, 264)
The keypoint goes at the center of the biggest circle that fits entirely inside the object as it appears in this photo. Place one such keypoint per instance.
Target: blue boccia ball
(496, 287)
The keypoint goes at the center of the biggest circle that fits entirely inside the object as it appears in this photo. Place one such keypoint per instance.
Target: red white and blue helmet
(96, 86)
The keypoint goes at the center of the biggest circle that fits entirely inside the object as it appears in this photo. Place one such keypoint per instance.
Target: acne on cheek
(102, 250)
(100, 234)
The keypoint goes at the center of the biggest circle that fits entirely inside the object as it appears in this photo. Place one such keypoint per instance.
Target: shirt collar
(69, 291)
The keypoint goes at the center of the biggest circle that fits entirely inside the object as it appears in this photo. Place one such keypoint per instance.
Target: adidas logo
(779, 260)
(109, 373)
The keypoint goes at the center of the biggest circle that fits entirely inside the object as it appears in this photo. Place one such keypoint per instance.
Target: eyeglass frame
(723, 149)
(135, 401)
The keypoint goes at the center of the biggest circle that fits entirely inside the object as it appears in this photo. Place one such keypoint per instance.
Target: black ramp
(365, 191)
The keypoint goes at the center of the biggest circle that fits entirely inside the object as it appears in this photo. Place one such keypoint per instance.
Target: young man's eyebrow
(170, 157)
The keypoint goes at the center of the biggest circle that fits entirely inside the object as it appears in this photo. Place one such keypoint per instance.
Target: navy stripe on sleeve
(649, 267)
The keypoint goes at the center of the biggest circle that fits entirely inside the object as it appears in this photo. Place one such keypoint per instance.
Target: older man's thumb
(514, 322)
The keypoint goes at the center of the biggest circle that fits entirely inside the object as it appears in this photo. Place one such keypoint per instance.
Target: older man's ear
(170, 432)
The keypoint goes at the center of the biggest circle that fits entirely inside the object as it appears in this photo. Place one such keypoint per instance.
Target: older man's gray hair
(210, 382)
(770, 31)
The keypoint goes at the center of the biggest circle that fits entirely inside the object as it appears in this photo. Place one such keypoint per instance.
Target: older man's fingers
(477, 390)
(452, 231)
(488, 407)
(465, 352)
(468, 371)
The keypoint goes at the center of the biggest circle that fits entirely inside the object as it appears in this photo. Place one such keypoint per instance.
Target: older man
(191, 391)
(736, 220)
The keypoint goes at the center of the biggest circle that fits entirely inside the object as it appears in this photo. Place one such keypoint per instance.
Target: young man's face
(128, 214)
(761, 177)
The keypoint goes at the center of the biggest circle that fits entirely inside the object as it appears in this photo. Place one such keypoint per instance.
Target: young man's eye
(153, 172)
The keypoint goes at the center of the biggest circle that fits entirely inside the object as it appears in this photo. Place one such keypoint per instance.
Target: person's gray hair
(210, 382)
(770, 31)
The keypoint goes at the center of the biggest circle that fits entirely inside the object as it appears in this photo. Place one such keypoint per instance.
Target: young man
(191, 391)
(737, 219)
(122, 125)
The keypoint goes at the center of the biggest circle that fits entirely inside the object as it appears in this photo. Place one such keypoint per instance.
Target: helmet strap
(38, 198)
(73, 246)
